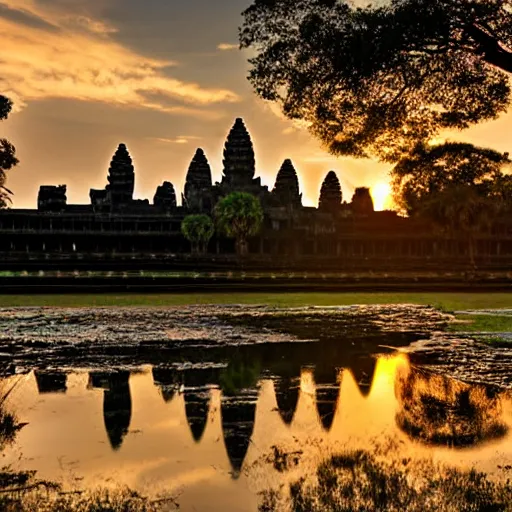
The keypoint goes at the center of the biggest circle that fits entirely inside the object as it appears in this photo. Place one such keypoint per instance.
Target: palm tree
(198, 229)
(239, 215)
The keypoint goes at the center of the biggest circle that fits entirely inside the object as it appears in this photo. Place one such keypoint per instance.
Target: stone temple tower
(198, 184)
(286, 189)
(239, 162)
(121, 178)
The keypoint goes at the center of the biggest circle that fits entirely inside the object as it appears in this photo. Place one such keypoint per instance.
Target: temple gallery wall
(116, 224)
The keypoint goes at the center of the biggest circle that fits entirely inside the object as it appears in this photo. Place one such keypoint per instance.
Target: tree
(7, 154)
(239, 215)
(362, 202)
(458, 187)
(461, 211)
(330, 194)
(375, 80)
(430, 170)
(198, 229)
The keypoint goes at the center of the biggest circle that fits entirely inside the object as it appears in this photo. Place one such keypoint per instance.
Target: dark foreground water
(216, 406)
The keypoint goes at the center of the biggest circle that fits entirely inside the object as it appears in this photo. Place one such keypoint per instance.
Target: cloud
(24, 17)
(77, 60)
(181, 139)
(227, 47)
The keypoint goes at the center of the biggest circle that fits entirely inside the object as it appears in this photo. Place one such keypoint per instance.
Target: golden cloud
(227, 47)
(180, 139)
(72, 57)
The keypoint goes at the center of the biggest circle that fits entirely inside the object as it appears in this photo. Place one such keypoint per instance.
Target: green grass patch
(444, 301)
(482, 323)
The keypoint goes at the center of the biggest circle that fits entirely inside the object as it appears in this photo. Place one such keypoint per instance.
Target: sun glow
(381, 195)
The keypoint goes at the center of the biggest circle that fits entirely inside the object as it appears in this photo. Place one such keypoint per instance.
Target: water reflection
(218, 423)
(287, 396)
(441, 411)
(50, 381)
(167, 380)
(117, 403)
(196, 394)
(327, 393)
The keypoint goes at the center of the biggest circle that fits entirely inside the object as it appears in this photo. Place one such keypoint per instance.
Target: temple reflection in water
(428, 409)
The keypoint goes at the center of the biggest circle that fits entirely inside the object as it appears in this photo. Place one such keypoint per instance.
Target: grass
(444, 301)
(482, 323)
(357, 481)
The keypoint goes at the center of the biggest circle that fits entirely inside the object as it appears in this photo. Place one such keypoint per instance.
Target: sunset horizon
(119, 72)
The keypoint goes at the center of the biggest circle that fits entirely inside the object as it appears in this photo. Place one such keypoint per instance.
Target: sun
(381, 195)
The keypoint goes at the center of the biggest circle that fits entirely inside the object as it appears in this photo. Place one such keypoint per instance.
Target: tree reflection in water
(437, 410)
(117, 403)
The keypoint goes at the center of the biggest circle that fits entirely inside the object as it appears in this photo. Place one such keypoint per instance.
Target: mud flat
(133, 336)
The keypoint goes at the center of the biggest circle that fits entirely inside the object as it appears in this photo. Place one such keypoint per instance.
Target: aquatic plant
(357, 481)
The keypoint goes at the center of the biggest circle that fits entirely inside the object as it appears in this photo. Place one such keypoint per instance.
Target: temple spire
(362, 202)
(165, 197)
(286, 190)
(330, 194)
(121, 177)
(239, 161)
(198, 183)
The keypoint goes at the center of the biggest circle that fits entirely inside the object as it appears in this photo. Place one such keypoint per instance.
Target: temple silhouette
(115, 225)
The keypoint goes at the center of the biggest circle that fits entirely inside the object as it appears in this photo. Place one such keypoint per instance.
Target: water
(217, 425)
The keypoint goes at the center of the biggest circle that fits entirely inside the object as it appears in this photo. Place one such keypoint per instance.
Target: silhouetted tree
(459, 187)
(374, 80)
(239, 215)
(7, 154)
(198, 229)
(460, 210)
(330, 194)
(362, 202)
(429, 170)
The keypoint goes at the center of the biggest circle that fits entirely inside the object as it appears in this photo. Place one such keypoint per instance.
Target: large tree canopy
(432, 170)
(374, 80)
(7, 154)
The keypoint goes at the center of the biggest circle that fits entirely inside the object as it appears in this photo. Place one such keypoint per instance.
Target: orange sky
(162, 76)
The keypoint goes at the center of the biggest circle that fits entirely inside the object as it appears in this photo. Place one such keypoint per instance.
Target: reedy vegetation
(361, 481)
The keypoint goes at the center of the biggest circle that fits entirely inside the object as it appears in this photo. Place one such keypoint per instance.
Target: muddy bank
(465, 358)
(133, 336)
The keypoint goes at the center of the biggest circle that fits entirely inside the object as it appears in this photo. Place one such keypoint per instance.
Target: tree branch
(490, 48)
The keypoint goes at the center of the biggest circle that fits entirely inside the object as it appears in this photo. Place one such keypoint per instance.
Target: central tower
(239, 161)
